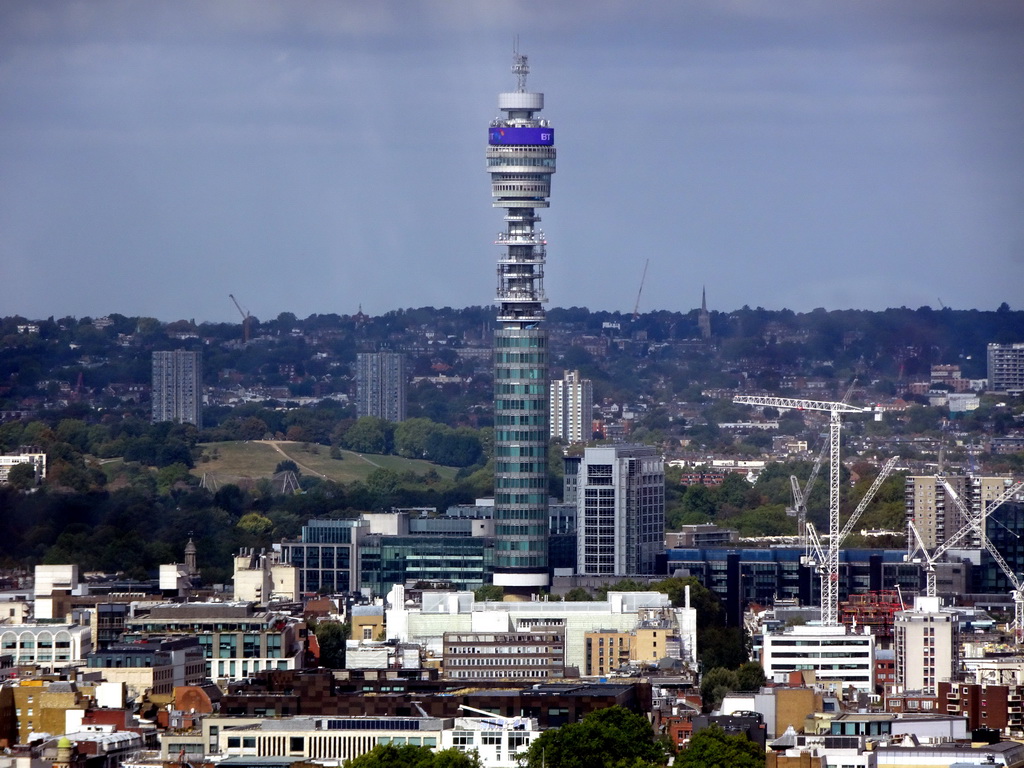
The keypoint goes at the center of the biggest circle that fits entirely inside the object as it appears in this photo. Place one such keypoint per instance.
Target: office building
(35, 460)
(151, 667)
(326, 556)
(838, 657)
(739, 576)
(520, 160)
(380, 385)
(236, 639)
(537, 654)
(619, 492)
(178, 387)
(937, 517)
(572, 408)
(51, 646)
(1006, 367)
(460, 613)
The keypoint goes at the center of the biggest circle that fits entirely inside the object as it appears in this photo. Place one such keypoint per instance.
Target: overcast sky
(318, 156)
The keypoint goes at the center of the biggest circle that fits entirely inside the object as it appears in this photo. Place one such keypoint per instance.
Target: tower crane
(245, 318)
(976, 521)
(823, 558)
(643, 278)
(801, 496)
(829, 564)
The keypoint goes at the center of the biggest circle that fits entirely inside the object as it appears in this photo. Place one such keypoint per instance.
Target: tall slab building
(619, 493)
(520, 160)
(380, 385)
(572, 408)
(178, 387)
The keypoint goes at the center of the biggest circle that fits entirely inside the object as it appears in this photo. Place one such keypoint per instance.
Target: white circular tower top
(520, 100)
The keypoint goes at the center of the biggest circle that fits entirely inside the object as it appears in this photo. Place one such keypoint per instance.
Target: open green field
(259, 458)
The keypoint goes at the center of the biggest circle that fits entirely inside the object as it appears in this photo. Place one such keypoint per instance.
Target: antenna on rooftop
(519, 66)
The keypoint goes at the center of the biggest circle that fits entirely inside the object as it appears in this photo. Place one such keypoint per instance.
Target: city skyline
(814, 154)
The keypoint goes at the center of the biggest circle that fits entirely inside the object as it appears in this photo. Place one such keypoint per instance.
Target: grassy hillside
(258, 458)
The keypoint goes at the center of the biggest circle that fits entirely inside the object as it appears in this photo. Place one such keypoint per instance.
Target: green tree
(412, 437)
(712, 747)
(607, 738)
(750, 676)
(331, 637)
(22, 476)
(715, 684)
(255, 524)
(368, 435)
(489, 592)
(578, 595)
(408, 756)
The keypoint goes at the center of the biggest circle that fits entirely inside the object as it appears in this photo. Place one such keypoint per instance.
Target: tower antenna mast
(520, 67)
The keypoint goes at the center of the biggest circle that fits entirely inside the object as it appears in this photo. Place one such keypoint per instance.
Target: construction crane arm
(245, 317)
(797, 404)
(883, 475)
(643, 278)
(918, 542)
(974, 522)
(814, 544)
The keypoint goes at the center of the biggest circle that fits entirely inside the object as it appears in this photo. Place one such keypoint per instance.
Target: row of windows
(495, 673)
(501, 661)
(544, 162)
(501, 467)
(523, 150)
(513, 451)
(520, 389)
(524, 435)
(520, 498)
(523, 482)
(522, 373)
(521, 420)
(532, 341)
(520, 530)
(524, 187)
(513, 561)
(503, 404)
(534, 513)
(520, 358)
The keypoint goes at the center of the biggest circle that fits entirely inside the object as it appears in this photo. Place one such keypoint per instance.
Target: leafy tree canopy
(712, 747)
(608, 738)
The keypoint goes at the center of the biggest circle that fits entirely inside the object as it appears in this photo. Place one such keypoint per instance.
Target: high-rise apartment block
(619, 492)
(178, 387)
(937, 517)
(1006, 367)
(572, 408)
(927, 645)
(380, 385)
(520, 160)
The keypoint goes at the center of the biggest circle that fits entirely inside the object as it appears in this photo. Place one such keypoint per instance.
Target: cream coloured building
(927, 641)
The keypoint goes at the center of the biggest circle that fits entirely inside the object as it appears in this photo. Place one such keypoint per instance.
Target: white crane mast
(829, 569)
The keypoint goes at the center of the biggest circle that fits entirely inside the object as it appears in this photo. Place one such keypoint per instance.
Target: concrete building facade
(927, 641)
(1006, 367)
(381, 385)
(836, 656)
(572, 408)
(178, 387)
(619, 492)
